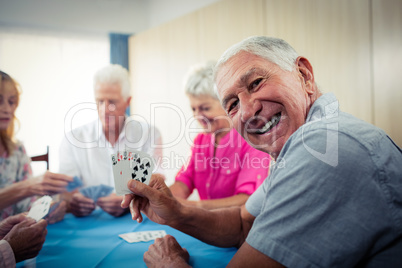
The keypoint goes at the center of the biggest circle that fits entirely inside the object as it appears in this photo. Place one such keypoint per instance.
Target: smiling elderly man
(334, 197)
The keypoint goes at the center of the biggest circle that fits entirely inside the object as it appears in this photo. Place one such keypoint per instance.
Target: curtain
(119, 52)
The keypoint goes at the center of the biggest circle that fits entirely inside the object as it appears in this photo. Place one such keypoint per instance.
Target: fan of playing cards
(131, 165)
(40, 208)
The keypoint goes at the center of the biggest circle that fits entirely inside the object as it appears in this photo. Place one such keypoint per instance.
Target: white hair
(114, 74)
(273, 49)
(200, 80)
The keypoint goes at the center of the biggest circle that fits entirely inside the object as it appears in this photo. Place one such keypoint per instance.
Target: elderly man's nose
(111, 107)
(248, 109)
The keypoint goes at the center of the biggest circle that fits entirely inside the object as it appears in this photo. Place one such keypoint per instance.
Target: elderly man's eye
(254, 84)
(232, 106)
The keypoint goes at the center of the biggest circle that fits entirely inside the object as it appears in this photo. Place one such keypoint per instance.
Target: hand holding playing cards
(7, 224)
(26, 238)
(155, 200)
(112, 205)
(166, 250)
(49, 183)
(80, 205)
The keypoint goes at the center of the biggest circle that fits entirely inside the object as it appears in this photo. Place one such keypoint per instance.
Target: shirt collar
(325, 107)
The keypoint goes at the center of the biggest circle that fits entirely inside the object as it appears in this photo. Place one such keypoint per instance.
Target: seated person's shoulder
(19, 151)
(344, 133)
(19, 147)
(85, 133)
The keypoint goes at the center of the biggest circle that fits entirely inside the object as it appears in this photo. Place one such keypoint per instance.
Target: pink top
(235, 168)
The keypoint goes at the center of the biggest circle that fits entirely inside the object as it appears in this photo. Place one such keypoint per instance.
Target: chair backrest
(42, 157)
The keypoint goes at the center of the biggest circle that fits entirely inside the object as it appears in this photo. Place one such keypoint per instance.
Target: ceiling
(93, 16)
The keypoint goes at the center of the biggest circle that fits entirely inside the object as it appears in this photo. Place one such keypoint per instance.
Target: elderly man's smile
(270, 124)
(274, 120)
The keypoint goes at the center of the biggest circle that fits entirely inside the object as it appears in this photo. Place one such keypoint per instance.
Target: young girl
(17, 187)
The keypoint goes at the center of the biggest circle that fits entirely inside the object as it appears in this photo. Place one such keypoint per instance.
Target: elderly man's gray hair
(273, 49)
(200, 80)
(114, 74)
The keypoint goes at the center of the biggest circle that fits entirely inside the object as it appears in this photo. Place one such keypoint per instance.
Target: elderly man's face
(266, 103)
(111, 106)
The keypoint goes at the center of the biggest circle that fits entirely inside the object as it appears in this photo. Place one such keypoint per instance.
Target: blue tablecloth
(93, 241)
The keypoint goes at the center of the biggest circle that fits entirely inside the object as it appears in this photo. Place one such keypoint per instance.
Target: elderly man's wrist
(180, 263)
(182, 216)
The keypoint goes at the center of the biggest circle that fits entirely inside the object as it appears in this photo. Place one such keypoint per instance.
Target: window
(55, 72)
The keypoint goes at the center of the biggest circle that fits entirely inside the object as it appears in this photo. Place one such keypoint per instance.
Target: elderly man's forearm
(219, 227)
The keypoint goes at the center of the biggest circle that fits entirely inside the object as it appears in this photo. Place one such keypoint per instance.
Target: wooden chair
(43, 157)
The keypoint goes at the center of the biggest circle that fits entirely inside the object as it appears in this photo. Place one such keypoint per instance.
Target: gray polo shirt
(334, 197)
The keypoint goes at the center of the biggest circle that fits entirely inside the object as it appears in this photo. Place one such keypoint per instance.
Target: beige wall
(387, 57)
(354, 47)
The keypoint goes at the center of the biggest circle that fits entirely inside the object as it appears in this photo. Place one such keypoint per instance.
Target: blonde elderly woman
(223, 167)
(17, 186)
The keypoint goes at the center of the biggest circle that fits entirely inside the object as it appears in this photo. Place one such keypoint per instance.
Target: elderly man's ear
(128, 101)
(306, 74)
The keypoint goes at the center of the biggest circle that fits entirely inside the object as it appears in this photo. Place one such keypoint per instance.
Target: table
(93, 241)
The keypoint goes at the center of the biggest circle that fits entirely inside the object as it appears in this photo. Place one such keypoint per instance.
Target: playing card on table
(40, 208)
(144, 236)
(74, 184)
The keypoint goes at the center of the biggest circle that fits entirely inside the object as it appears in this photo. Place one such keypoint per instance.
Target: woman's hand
(48, 184)
(58, 213)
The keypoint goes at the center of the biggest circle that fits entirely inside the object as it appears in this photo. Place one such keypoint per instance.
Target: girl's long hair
(7, 135)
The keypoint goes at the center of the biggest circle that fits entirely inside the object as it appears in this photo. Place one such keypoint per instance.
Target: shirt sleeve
(318, 213)
(7, 258)
(255, 168)
(254, 202)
